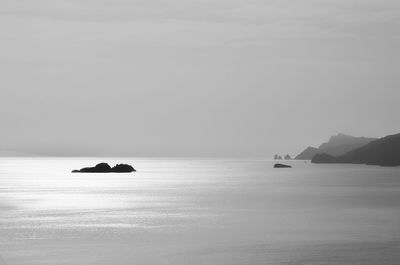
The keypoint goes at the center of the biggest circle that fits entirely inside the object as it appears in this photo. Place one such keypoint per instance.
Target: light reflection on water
(197, 212)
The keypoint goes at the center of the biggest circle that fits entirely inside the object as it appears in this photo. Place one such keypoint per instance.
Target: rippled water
(198, 212)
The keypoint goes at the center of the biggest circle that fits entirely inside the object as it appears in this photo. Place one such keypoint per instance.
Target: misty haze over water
(141, 82)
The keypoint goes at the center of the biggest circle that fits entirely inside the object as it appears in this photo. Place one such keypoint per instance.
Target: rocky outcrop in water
(281, 166)
(105, 168)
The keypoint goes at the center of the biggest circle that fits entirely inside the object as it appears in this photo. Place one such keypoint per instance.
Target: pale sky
(195, 77)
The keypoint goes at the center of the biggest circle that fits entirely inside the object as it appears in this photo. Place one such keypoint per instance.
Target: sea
(198, 211)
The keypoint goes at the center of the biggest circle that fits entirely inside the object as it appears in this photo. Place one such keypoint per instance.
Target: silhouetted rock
(99, 168)
(105, 168)
(308, 153)
(382, 152)
(123, 168)
(281, 166)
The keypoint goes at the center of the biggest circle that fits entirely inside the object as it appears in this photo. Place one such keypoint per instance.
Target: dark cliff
(337, 145)
(308, 153)
(383, 152)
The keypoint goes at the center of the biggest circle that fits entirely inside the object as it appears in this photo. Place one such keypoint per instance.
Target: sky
(195, 77)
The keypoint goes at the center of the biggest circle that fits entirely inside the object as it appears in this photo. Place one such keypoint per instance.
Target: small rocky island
(105, 168)
(281, 166)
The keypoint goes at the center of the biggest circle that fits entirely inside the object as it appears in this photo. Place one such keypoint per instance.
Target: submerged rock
(105, 168)
(281, 166)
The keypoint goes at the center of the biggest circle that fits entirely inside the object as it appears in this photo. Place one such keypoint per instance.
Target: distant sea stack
(382, 152)
(337, 145)
(105, 168)
(279, 157)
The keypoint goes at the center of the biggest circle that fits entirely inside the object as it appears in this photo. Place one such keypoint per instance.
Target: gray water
(184, 211)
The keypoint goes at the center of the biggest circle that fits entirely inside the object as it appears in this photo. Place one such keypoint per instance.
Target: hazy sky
(195, 77)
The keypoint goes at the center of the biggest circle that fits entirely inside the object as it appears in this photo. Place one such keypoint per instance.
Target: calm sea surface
(183, 211)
